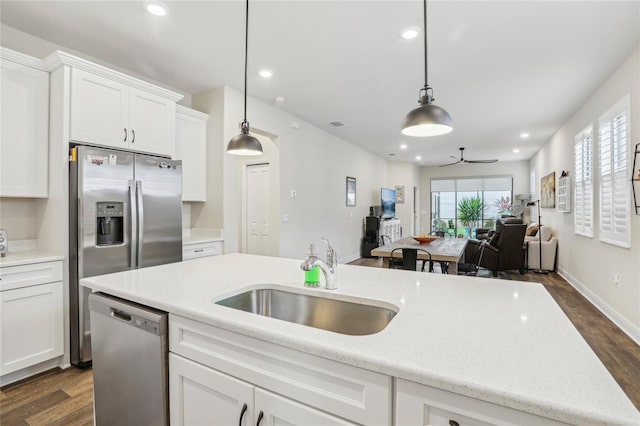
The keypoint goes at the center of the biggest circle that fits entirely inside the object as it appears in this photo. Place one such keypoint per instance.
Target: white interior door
(258, 226)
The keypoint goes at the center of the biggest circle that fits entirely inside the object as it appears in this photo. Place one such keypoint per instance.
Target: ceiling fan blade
(453, 156)
(480, 161)
(450, 164)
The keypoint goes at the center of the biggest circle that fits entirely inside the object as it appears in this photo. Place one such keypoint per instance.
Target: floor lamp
(539, 270)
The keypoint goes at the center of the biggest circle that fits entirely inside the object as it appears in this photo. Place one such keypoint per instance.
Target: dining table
(450, 250)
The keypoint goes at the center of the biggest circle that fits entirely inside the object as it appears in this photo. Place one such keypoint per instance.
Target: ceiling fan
(462, 160)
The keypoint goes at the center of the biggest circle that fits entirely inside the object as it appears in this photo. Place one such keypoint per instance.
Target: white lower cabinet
(215, 368)
(31, 326)
(274, 410)
(418, 404)
(200, 395)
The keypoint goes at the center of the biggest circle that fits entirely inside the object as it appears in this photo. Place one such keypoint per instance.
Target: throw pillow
(532, 230)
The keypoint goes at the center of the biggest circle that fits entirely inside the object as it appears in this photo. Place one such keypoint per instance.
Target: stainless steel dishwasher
(130, 355)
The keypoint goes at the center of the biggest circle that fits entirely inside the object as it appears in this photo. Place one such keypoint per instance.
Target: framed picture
(351, 191)
(548, 191)
(399, 194)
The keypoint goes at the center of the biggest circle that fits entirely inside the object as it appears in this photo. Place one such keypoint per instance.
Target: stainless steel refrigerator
(125, 212)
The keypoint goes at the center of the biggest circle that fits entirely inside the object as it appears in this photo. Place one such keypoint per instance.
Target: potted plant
(470, 211)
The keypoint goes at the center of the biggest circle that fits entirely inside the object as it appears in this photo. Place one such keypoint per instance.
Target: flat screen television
(388, 203)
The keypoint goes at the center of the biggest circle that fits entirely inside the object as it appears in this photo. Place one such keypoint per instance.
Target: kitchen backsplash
(18, 217)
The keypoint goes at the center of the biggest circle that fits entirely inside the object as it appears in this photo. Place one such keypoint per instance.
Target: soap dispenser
(312, 276)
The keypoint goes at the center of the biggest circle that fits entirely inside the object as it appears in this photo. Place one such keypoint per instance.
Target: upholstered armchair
(549, 249)
(505, 250)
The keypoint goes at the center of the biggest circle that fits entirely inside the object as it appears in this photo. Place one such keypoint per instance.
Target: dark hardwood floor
(65, 397)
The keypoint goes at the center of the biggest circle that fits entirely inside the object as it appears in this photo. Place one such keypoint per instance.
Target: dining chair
(409, 260)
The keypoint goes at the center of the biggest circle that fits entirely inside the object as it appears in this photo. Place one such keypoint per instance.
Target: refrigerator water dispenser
(109, 223)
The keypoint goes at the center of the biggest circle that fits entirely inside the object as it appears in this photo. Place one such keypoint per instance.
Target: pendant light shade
(428, 119)
(244, 143)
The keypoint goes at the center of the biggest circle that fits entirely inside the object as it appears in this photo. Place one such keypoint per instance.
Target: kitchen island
(489, 344)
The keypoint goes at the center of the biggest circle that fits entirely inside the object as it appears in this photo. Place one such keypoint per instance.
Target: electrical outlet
(616, 280)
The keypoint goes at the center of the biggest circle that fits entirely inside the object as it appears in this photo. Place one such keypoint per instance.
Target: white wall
(313, 162)
(18, 217)
(519, 170)
(406, 174)
(586, 262)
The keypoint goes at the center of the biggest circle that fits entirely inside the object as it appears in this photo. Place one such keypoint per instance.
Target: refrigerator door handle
(140, 221)
(134, 222)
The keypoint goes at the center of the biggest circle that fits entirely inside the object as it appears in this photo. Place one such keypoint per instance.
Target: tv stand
(374, 229)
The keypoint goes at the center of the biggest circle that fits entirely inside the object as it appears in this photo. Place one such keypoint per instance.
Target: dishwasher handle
(121, 315)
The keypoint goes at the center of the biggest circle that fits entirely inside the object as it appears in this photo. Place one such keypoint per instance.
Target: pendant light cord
(426, 84)
(246, 54)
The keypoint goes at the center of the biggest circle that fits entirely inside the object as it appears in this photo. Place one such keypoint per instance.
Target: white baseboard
(624, 324)
(32, 370)
(349, 258)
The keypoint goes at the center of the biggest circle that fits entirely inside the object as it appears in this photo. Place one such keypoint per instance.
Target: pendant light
(244, 143)
(428, 119)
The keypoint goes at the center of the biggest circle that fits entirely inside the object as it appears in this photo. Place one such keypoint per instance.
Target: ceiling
(499, 68)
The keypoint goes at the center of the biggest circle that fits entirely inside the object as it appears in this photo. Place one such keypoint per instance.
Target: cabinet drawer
(349, 392)
(192, 251)
(33, 274)
(420, 404)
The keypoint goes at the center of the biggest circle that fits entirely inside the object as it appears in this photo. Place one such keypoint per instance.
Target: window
(615, 211)
(583, 192)
(496, 194)
(532, 184)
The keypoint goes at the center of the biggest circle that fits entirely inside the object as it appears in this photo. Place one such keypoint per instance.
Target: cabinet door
(99, 110)
(191, 148)
(152, 122)
(202, 396)
(31, 330)
(277, 410)
(24, 136)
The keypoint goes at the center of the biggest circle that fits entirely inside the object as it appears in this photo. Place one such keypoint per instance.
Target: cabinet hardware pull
(260, 416)
(125, 134)
(133, 132)
(453, 423)
(198, 250)
(244, 409)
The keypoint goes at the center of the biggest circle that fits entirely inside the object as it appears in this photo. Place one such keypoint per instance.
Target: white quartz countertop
(201, 235)
(505, 342)
(27, 257)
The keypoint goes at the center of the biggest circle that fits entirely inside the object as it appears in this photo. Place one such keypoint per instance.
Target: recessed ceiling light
(418, 157)
(524, 135)
(410, 33)
(516, 150)
(403, 146)
(157, 9)
(280, 99)
(265, 73)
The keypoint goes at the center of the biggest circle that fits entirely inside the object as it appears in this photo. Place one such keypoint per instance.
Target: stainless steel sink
(340, 316)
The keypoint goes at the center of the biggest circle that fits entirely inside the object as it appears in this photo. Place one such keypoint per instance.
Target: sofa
(549, 248)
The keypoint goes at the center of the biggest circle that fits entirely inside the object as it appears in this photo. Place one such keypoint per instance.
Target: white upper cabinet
(99, 110)
(24, 127)
(191, 148)
(108, 113)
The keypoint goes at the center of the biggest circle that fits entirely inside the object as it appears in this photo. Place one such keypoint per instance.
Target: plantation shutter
(615, 212)
(583, 192)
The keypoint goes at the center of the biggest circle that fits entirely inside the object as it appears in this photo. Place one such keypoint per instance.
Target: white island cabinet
(456, 352)
(25, 126)
(285, 386)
